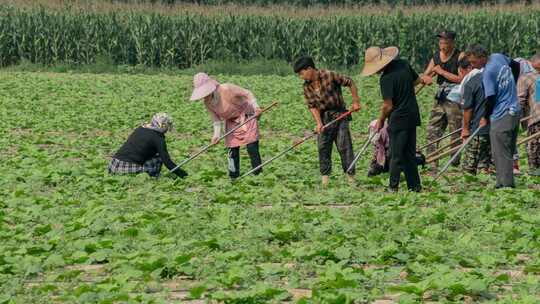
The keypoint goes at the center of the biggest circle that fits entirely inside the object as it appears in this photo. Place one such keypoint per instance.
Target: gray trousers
(503, 135)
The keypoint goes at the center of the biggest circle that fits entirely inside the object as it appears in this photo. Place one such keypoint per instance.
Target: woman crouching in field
(232, 104)
(145, 150)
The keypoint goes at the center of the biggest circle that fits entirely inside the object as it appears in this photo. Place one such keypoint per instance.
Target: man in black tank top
(444, 65)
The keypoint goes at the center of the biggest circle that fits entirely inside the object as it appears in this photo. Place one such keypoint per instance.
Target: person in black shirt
(145, 150)
(397, 82)
(444, 113)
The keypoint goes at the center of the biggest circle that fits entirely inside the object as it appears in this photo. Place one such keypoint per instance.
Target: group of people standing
(488, 94)
(483, 95)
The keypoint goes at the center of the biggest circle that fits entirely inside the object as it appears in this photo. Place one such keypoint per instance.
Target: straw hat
(377, 58)
(203, 86)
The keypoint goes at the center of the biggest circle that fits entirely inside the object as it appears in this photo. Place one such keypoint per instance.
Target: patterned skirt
(152, 167)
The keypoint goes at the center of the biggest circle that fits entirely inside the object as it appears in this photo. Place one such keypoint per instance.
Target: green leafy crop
(71, 233)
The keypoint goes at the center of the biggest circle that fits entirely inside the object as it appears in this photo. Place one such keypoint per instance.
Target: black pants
(403, 158)
(234, 159)
(340, 135)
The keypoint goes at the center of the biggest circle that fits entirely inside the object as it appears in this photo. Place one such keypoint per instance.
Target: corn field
(152, 39)
(333, 2)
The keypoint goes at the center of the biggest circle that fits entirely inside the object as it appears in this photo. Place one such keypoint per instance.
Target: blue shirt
(499, 82)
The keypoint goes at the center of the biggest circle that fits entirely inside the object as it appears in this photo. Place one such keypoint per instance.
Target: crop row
(151, 39)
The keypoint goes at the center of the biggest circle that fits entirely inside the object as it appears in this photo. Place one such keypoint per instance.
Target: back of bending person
(145, 150)
(231, 105)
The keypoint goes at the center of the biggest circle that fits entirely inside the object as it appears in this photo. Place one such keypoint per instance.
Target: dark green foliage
(150, 39)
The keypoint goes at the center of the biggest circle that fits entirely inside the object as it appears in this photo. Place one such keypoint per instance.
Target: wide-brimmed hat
(203, 86)
(377, 58)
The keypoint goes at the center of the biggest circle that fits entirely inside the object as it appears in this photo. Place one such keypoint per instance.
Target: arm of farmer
(468, 107)
(427, 79)
(455, 78)
(489, 80)
(355, 98)
(523, 93)
(348, 82)
(161, 146)
(216, 124)
(317, 116)
(386, 109)
(255, 105)
(466, 130)
(417, 80)
(387, 92)
(313, 105)
(244, 98)
(452, 77)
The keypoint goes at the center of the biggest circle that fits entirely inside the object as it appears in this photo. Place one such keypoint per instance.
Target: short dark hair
(464, 63)
(303, 63)
(477, 50)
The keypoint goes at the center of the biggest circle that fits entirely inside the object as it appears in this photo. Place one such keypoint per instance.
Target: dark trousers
(234, 159)
(403, 158)
(533, 147)
(340, 135)
(503, 135)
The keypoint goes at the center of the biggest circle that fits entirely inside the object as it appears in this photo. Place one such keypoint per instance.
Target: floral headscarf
(161, 122)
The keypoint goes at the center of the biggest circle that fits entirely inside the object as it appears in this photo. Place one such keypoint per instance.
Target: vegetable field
(70, 233)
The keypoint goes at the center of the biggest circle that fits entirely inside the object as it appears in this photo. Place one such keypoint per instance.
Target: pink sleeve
(213, 115)
(244, 98)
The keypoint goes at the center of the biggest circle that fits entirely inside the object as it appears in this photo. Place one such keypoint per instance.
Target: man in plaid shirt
(323, 96)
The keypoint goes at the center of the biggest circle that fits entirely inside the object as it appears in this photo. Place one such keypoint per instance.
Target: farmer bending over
(322, 93)
(381, 154)
(525, 67)
(502, 108)
(232, 104)
(528, 88)
(477, 155)
(145, 150)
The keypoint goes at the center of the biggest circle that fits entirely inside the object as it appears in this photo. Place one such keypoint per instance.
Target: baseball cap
(447, 35)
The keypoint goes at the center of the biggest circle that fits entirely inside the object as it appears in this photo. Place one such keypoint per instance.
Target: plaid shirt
(526, 88)
(329, 96)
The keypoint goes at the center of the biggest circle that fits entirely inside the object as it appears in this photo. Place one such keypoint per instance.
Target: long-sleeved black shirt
(142, 145)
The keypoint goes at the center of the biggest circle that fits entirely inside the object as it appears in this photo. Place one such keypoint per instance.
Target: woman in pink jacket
(233, 105)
